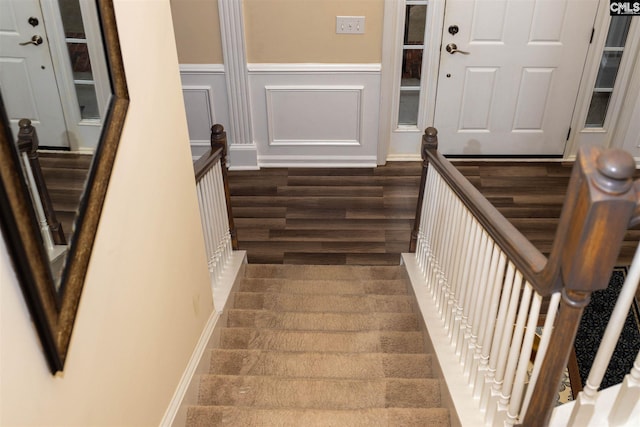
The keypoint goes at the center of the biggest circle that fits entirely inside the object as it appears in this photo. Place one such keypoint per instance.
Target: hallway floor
(364, 216)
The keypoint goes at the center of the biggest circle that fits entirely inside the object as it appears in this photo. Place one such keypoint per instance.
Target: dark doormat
(592, 327)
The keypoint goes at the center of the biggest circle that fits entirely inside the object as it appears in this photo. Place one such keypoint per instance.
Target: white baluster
(502, 405)
(523, 362)
(547, 330)
(627, 402)
(584, 407)
(37, 203)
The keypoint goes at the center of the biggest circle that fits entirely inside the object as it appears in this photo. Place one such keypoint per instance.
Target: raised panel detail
(314, 115)
(477, 98)
(532, 98)
(548, 20)
(488, 21)
(15, 89)
(199, 108)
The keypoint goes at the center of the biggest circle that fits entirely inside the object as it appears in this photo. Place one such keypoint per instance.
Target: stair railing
(491, 287)
(28, 148)
(215, 209)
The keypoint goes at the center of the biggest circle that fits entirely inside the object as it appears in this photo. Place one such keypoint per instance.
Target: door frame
(87, 131)
(603, 136)
(393, 25)
(392, 37)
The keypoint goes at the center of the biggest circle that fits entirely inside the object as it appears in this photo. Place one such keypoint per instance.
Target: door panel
(27, 70)
(515, 90)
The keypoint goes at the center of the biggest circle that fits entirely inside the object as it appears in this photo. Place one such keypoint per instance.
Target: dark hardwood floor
(365, 216)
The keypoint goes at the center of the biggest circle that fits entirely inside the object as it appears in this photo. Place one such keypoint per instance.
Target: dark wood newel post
(219, 140)
(429, 142)
(601, 199)
(28, 143)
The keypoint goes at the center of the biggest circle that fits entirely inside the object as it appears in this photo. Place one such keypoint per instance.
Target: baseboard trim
(187, 390)
(462, 404)
(243, 157)
(318, 161)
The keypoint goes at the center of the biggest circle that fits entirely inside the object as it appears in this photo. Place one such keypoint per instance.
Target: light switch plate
(349, 24)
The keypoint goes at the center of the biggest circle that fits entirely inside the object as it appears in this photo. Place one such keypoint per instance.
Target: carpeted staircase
(320, 346)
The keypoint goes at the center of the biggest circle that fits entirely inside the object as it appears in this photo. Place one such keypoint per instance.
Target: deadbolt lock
(453, 29)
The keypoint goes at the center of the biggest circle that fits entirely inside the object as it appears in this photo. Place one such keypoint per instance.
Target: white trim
(243, 157)
(201, 69)
(271, 89)
(295, 68)
(234, 53)
(618, 103)
(171, 414)
(317, 161)
(404, 158)
(464, 404)
(187, 390)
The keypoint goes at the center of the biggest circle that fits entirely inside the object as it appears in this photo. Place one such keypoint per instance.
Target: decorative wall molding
(284, 161)
(290, 117)
(234, 54)
(315, 114)
(313, 68)
(187, 69)
(205, 99)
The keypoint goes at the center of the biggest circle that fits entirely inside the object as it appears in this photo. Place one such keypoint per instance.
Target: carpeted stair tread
(206, 416)
(323, 272)
(333, 287)
(357, 342)
(323, 303)
(320, 364)
(320, 345)
(276, 392)
(300, 321)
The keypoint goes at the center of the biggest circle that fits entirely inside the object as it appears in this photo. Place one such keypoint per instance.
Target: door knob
(36, 40)
(453, 48)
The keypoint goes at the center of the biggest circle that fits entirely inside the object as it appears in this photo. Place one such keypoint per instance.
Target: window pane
(598, 109)
(80, 62)
(609, 65)
(71, 19)
(618, 30)
(411, 67)
(409, 101)
(414, 24)
(87, 101)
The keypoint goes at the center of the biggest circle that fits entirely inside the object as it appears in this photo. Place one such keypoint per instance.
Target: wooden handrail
(218, 152)
(28, 143)
(600, 205)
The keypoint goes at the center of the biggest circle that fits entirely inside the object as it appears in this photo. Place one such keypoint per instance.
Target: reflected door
(27, 79)
(509, 75)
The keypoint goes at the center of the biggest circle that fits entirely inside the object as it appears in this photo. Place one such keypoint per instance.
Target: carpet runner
(320, 346)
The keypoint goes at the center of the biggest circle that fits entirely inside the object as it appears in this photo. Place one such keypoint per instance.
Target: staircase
(320, 346)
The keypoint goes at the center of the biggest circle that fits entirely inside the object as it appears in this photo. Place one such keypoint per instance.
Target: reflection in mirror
(58, 126)
(63, 101)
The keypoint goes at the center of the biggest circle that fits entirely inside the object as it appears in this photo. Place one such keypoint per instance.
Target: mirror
(67, 56)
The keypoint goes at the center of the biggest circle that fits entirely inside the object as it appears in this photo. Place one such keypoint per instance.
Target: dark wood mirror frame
(54, 313)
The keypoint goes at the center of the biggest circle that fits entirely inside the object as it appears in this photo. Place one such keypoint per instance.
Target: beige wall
(146, 297)
(197, 29)
(291, 31)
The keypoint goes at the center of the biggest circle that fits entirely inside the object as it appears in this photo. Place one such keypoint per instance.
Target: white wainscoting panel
(205, 101)
(315, 115)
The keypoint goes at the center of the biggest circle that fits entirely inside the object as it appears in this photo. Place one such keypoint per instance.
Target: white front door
(514, 90)
(27, 77)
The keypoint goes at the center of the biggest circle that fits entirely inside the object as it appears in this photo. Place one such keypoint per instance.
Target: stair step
(275, 392)
(322, 321)
(323, 272)
(206, 416)
(320, 365)
(334, 287)
(323, 303)
(357, 342)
